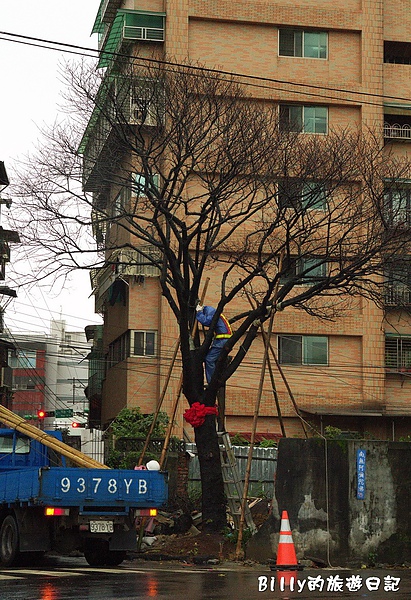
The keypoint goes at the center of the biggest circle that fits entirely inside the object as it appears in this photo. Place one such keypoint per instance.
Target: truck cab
(46, 505)
(20, 451)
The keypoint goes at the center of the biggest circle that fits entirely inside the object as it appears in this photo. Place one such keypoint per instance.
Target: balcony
(119, 102)
(124, 263)
(95, 148)
(397, 296)
(108, 9)
(127, 26)
(397, 131)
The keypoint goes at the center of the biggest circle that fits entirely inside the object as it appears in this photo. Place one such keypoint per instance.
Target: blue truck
(45, 508)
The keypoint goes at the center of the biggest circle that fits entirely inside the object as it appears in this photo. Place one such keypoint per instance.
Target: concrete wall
(316, 483)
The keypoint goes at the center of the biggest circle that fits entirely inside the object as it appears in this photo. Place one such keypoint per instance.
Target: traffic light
(76, 424)
(42, 414)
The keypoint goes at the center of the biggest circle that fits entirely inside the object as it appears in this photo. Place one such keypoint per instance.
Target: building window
(397, 288)
(143, 343)
(397, 52)
(314, 196)
(143, 26)
(24, 359)
(398, 353)
(142, 185)
(22, 382)
(132, 343)
(304, 271)
(122, 201)
(303, 350)
(119, 349)
(146, 102)
(303, 119)
(397, 201)
(307, 44)
(308, 195)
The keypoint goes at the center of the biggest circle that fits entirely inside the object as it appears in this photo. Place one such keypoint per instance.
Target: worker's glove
(199, 307)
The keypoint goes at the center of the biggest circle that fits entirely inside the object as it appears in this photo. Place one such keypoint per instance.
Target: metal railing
(397, 131)
(151, 34)
(397, 296)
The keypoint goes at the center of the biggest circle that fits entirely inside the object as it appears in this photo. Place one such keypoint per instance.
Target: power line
(75, 49)
(205, 70)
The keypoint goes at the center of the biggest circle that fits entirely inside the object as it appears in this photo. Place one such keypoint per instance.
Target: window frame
(299, 45)
(401, 215)
(321, 196)
(298, 122)
(305, 193)
(397, 283)
(138, 190)
(19, 445)
(23, 359)
(146, 98)
(146, 22)
(24, 382)
(121, 202)
(302, 358)
(145, 333)
(400, 349)
(297, 266)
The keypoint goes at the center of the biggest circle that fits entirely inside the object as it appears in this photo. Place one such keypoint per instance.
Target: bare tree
(211, 177)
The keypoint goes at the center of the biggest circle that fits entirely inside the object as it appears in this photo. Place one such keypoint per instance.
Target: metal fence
(263, 467)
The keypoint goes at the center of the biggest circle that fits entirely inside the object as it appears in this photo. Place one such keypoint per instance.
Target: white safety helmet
(153, 465)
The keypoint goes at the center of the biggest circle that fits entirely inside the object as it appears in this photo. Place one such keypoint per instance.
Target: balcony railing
(397, 296)
(397, 131)
(152, 34)
(125, 263)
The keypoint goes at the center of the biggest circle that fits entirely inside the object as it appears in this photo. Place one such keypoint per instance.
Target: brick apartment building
(348, 51)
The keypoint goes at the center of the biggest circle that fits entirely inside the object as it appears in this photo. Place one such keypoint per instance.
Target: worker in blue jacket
(222, 333)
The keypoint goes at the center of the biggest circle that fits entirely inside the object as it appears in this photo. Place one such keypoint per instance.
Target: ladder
(233, 484)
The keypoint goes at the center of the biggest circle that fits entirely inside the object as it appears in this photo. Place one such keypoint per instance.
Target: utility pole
(6, 294)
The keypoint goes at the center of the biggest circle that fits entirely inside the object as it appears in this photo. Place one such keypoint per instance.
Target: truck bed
(84, 488)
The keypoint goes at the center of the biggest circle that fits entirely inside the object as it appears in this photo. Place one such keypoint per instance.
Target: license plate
(101, 526)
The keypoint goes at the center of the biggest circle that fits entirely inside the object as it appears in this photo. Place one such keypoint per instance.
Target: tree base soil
(194, 546)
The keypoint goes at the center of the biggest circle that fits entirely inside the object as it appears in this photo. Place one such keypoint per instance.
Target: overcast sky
(30, 95)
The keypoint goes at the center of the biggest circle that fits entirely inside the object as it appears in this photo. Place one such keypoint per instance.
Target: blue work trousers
(212, 357)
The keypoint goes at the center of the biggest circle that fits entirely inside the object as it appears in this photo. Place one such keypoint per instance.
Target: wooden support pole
(171, 424)
(274, 388)
(160, 402)
(238, 550)
(288, 389)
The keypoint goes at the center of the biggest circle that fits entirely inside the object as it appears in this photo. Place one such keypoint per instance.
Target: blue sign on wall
(361, 463)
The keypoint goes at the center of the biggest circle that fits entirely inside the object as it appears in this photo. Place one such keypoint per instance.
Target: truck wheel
(96, 553)
(115, 557)
(9, 541)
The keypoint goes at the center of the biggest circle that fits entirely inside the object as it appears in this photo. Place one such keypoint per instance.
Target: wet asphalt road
(72, 579)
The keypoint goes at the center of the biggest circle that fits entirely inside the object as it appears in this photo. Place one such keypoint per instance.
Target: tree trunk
(213, 496)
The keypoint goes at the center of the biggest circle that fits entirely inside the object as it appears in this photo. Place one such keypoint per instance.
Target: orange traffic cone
(286, 556)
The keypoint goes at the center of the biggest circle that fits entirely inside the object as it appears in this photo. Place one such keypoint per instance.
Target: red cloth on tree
(196, 414)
